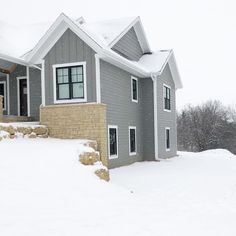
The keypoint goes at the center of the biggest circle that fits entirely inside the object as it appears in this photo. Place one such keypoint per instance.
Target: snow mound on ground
(218, 152)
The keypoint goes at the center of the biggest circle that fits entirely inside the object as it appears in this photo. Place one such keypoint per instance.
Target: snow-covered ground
(45, 191)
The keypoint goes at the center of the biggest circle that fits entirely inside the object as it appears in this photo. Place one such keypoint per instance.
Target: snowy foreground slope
(45, 191)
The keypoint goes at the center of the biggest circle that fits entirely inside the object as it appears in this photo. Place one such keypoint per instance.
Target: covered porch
(20, 88)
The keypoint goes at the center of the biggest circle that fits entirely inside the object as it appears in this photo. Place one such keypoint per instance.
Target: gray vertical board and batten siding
(129, 46)
(165, 118)
(69, 49)
(35, 92)
(18, 72)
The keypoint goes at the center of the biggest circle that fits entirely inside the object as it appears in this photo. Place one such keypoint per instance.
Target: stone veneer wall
(1, 109)
(82, 121)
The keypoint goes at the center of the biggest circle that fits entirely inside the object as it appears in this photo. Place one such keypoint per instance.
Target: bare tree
(207, 126)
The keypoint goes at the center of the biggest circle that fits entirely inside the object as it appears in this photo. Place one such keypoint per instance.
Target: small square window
(134, 89)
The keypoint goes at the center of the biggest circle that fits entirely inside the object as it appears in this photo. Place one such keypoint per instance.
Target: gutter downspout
(154, 79)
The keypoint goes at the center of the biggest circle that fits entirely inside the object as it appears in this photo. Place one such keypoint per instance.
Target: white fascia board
(141, 35)
(175, 72)
(13, 59)
(173, 69)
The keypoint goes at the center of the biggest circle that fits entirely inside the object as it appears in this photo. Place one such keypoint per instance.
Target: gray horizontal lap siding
(166, 119)
(68, 49)
(121, 111)
(148, 119)
(129, 46)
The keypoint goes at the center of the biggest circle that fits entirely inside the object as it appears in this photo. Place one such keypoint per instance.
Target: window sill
(70, 101)
(113, 157)
(167, 110)
(132, 153)
(167, 150)
(136, 101)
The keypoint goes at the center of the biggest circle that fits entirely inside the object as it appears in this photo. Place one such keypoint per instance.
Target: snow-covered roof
(154, 61)
(107, 30)
(15, 41)
(30, 43)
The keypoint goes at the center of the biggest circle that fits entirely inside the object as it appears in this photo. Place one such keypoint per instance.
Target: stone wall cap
(74, 105)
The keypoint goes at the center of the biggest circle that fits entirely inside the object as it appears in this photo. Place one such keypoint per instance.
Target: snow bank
(45, 191)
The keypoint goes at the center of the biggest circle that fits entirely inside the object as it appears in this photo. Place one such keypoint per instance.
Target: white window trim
(167, 128)
(55, 85)
(117, 141)
(5, 95)
(165, 85)
(133, 153)
(18, 92)
(134, 78)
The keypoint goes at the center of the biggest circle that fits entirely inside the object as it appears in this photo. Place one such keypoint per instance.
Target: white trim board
(154, 79)
(133, 153)
(68, 101)
(117, 141)
(5, 95)
(18, 92)
(8, 94)
(98, 79)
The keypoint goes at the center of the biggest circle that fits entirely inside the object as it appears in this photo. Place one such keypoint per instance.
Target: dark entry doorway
(23, 97)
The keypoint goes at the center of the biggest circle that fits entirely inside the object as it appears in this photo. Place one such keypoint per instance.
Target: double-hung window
(3, 93)
(166, 91)
(113, 141)
(134, 89)
(70, 82)
(132, 141)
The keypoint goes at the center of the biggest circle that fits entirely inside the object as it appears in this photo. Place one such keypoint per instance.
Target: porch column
(1, 109)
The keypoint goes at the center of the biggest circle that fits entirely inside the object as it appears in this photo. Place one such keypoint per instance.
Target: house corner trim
(154, 79)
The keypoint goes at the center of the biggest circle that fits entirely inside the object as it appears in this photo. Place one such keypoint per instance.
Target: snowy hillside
(45, 191)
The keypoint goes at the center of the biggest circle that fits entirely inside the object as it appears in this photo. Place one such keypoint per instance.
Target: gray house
(94, 80)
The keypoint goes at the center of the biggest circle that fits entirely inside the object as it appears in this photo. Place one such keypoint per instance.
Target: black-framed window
(3, 93)
(167, 98)
(132, 140)
(70, 82)
(113, 142)
(167, 138)
(134, 89)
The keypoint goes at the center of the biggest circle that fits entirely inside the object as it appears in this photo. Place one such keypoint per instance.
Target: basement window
(113, 141)
(167, 137)
(132, 140)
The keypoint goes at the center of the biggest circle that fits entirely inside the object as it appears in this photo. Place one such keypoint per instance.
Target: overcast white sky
(201, 32)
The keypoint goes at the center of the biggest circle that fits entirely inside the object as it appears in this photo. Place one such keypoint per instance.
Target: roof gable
(54, 33)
